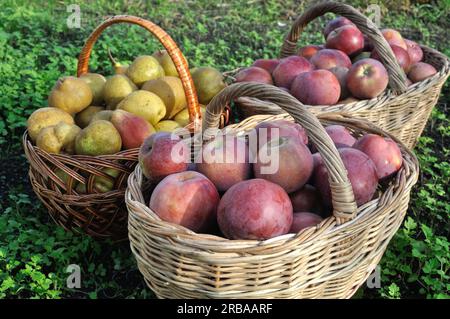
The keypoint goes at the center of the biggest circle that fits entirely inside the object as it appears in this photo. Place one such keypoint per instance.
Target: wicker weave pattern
(328, 261)
(101, 215)
(400, 111)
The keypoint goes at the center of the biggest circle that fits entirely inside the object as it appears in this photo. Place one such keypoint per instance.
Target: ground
(37, 47)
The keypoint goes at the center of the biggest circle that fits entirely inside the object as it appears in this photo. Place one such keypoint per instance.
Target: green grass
(36, 48)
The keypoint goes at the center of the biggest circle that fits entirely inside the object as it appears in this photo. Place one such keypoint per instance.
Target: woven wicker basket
(402, 111)
(330, 260)
(101, 215)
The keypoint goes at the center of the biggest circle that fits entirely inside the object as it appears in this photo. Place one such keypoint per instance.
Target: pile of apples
(233, 190)
(345, 69)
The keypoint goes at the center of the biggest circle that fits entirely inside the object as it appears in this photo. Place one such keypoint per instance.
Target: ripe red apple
(384, 153)
(225, 161)
(329, 58)
(266, 131)
(421, 71)
(309, 50)
(348, 39)
(340, 136)
(284, 161)
(341, 74)
(361, 173)
(415, 51)
(336, 23)
(188, 199)
(307, 199)
(289, 68)
(163, 154)
(367, 79)
(304, 220)
(267, 64)
(318, 87)
(254, 74)
(401, 55)
(393, 37)
(254, 209)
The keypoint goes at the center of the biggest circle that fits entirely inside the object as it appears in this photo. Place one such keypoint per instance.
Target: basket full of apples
(276, 206)
(360, 70)
(82, 147)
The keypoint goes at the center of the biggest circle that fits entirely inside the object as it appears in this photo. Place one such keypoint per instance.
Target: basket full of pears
(84, 144)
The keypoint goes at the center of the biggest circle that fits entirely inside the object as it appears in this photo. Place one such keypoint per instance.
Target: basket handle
(343, 199)
(397, 77)
(168, 43)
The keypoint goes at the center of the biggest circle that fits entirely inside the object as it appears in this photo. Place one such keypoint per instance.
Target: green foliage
(37, 47)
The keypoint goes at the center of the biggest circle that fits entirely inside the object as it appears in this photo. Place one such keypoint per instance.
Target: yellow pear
(96, 82)
(83, 118)
(144, 68)
(166, 126)
(45, 117)
(145, 104)
(117, 87)
(170, 90)
(118, 68)
(208, 82)
(166, 62)
(70, 94)
(57, 138)
(98, 138)
(102, 115)
(182, 117)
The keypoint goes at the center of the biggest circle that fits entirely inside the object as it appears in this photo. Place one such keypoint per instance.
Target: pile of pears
(93, 115)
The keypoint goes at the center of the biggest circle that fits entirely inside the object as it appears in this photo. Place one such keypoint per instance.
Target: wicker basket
(330, 260)
(100, 215)
(401, 111)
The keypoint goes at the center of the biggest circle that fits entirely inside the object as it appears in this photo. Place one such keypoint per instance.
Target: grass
(37, 47)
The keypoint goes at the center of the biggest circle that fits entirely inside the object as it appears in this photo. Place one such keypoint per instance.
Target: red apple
(415, 51)
(361, 172)
(348, 39)
(329, 58)
(308, 51)
(367, 79)
(285, 161)
(384, 153)
(393, 37)
(421, 71)
(341, 74)
(285, 73)
(255, 209)
(401, 55)
(318, 87)
(336, 23)
(266, 131)
(304, 220)
(267, 64)
(163, 154)
(254, 74)
(188, 199)
(307, 199)
(225, 161)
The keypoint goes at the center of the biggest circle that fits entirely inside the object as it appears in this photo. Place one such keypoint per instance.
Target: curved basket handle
(343, 199)
(168, 43)
(397, 77)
